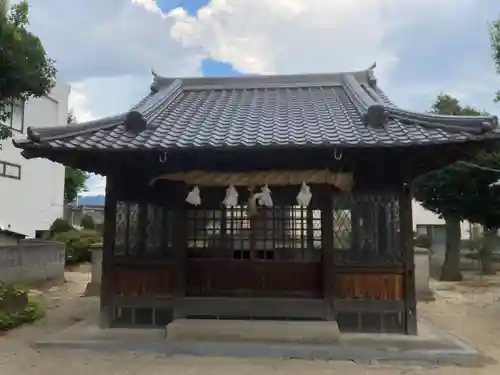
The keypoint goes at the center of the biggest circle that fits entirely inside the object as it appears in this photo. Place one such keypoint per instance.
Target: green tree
(74, 179)
(495, 46)
(460, 192)
(87, 222)
(25, 69)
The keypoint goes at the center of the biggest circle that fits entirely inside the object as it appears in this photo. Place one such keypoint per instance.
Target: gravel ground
(470, 310)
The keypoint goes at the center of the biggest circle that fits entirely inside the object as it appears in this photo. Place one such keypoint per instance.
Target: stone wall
(422, 274)
(32, 260)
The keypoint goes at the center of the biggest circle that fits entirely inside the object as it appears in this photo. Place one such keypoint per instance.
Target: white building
(32, 191)
(421, 216)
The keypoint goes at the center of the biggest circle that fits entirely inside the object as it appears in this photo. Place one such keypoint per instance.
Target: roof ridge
(249, 81)
(145, 108)
(50, 133)
(146, 111)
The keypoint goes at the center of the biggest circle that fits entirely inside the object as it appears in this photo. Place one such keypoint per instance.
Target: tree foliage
(87, 222)
(74, 183)
(25, 69)
(78, 243)
(495, 46)
(461, 190)
(59, 225)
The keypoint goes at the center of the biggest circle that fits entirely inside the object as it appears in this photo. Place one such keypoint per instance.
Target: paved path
(471, 312)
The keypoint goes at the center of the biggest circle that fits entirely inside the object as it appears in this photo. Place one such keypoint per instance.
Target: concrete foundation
(262, 331)
(430, 346)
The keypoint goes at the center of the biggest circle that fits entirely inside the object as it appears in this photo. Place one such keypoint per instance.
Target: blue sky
(106, 49)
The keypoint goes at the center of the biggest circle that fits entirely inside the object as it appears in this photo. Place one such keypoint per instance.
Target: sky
(107, 49)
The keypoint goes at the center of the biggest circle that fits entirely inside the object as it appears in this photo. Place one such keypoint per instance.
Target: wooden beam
(406, 233)
(327, 248)
(180, 259)
(107, 256)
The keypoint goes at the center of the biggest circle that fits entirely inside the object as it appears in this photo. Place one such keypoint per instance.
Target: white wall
(33, 202)
(423, 216)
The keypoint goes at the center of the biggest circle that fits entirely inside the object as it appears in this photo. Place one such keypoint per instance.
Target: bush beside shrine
(78, 242)
(59, 226)
(17, 307)
(87, 222)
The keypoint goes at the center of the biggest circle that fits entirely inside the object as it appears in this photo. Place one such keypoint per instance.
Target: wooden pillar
(406, 238)
(327, 249)
(106, 310)
(180, 259)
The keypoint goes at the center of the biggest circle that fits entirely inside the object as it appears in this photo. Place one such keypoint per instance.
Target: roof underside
(344, 109)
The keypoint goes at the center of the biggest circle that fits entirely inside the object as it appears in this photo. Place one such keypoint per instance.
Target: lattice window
(238, 233)
(342, 229)
(367, 226)
(127, 232)
(204, 228)
(133, 233)
(317, 230)
(120, 247)
(272, 233)
(159, 230)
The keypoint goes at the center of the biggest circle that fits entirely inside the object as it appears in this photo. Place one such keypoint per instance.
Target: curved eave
(377, 111)
(41, 134)
(473, 125)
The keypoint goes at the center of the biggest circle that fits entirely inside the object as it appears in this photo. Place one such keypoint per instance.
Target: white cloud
(150, 5)
(291, 36)
(78, 103)
(96, 185)
(96, 38)
(107, 48)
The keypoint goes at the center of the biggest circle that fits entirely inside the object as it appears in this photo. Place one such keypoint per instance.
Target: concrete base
(430, 346)
(262, 331)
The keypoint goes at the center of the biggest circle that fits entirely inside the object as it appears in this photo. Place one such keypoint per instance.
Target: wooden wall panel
(240, 278)
(377, 286)
(157, 280)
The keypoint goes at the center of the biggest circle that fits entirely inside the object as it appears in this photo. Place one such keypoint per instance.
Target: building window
(15, 116)
(10, 170)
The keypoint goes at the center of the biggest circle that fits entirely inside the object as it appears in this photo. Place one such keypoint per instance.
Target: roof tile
(190, 117)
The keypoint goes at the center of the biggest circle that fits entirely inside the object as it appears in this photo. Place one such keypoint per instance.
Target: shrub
(17, 307)
(87, 222)
(78, 244)
(59, 226)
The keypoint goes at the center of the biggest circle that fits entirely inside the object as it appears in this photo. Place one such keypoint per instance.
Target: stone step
(264, 331)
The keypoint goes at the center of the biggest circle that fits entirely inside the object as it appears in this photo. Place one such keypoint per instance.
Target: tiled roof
(344, 109)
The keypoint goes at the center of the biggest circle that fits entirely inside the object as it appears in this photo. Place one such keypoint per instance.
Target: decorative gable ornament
(264, 197)
(231, 199)
(194, 196)
(304, 196)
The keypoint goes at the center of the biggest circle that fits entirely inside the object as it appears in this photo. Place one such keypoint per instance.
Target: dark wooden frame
(3, 167)
(158, 282)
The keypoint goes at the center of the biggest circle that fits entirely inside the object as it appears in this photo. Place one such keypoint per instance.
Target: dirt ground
(469, 310)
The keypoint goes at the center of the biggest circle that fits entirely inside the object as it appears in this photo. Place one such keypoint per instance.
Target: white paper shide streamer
(194, 196)
(231, 199)
(264, 197)
(304, 196)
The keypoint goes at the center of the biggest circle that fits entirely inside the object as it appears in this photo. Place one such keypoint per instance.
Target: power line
(480, 167)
